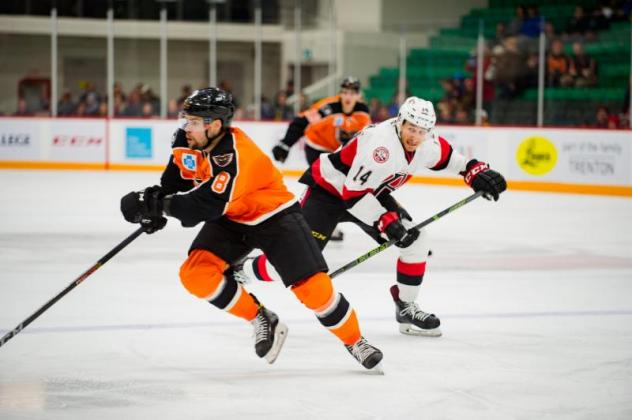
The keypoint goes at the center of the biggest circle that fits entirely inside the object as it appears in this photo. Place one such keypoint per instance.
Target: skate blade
(408, 329)
(280, 334)
(377, 370)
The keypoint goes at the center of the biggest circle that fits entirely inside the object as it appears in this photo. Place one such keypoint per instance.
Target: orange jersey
(235, 179)
(325, 126)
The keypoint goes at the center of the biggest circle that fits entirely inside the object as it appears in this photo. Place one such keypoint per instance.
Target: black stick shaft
(71, 286)
(385, 245)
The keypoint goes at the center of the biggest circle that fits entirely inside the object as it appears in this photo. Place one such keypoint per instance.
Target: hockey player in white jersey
(355, 183)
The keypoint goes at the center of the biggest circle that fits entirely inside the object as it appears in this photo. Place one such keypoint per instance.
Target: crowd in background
(510, 66)
(142, 102)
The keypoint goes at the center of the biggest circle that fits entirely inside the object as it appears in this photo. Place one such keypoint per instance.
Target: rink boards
(587, 161)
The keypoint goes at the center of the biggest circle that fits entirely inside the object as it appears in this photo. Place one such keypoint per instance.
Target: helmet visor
(191, 123)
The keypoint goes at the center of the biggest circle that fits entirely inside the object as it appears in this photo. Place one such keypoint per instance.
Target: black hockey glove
(145, 208)
(280, 152)
(478, 176)
(390, 224)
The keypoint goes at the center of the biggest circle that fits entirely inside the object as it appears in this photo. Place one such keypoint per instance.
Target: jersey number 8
(220, 182)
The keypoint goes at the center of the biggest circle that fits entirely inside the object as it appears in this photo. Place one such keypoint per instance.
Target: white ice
(534, 294)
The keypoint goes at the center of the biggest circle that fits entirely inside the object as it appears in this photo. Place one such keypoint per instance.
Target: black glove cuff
(166, 204)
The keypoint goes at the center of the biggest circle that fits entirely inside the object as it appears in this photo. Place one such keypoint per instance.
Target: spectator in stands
(267, 109)
(550, 34)
(462, 116)
(148, 95)
(381, 115)
(133, 106)
(489, 89)
(446, 109)
(66, 106)
(91, 98)
(118, 91)
(103, 109)
(531, 76)
(393, 107)
(282, 111)
(515, 25)
(558, 66)
(172, 108)
(148, 110)
(374, 106)
(583, 68)
(578, 26)
(119, 105)
(468, 96)
(23, 109)
(499, 37)
(81, 110)
(603, 118)
(532, 22)
(510, 69)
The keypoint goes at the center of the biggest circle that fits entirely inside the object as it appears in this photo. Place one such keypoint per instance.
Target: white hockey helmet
(416, 111)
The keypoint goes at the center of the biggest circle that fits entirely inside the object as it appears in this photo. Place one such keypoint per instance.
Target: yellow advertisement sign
(536, 155)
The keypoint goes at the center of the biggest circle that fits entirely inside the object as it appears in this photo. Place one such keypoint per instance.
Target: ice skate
(236, 271)
(270, 334)
(368, 356)
(412, 320)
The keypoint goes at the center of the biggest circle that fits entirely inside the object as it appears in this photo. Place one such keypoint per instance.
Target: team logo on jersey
(326, 109)
(338, 121)
(223, 160)
(188, 161)
(381, 154)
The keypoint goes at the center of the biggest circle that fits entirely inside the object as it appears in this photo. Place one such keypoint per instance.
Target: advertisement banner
(77, 140)
(141, 142)
(583, 157)
(551, 157)
(20, 139)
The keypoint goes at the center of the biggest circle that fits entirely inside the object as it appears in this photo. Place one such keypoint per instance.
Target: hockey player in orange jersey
(218, 176)
(327, 125)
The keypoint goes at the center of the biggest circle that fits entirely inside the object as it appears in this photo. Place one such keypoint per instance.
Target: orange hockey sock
(331, 308)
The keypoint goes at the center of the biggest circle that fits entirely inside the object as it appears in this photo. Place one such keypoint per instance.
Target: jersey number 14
(362, 177)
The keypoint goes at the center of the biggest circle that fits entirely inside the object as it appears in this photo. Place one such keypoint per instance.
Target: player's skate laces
(236, 271)
(269, 334)
(366, 354)
(412, 320)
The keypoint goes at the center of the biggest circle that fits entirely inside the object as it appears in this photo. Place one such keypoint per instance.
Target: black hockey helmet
(211, 104)
(350, 82)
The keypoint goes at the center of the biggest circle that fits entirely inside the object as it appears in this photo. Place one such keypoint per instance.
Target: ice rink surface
(534, 294)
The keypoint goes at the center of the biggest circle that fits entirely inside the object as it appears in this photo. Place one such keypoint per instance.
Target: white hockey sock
(408, 293)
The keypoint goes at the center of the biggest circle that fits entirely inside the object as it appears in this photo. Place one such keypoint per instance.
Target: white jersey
(375, 162)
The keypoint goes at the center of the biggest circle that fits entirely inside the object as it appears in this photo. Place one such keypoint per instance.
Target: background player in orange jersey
(217, 175)
(327, 125)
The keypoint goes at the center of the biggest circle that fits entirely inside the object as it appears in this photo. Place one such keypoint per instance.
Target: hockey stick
(385, 245)
(71, 286)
